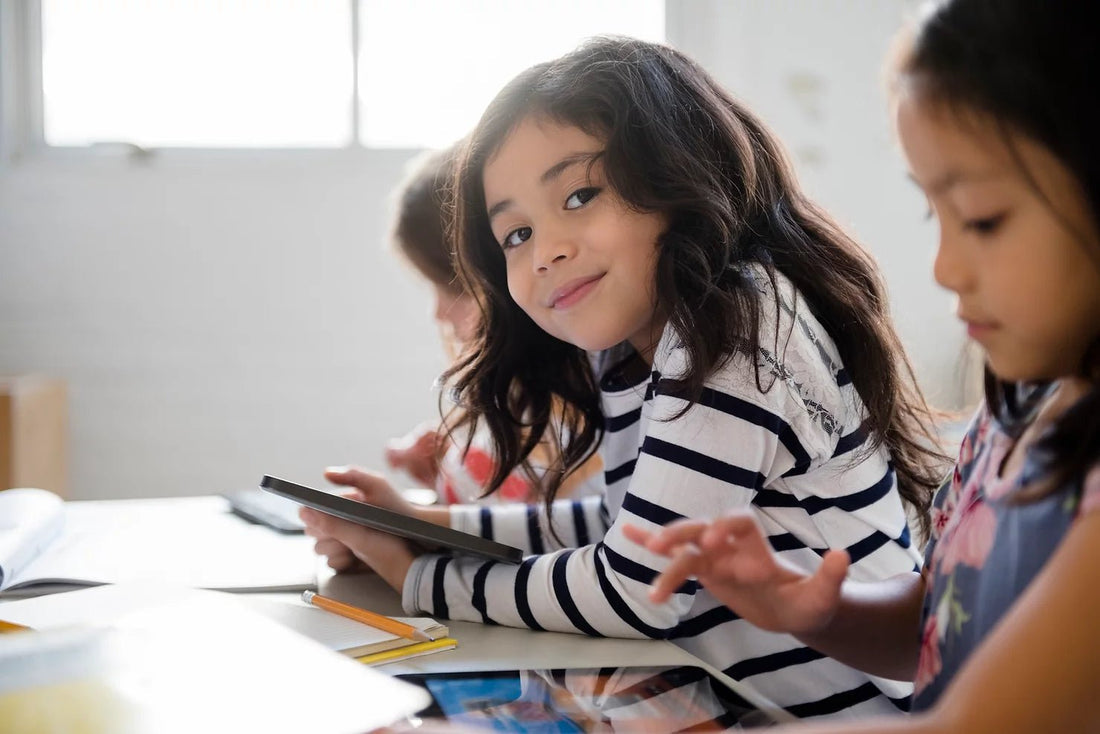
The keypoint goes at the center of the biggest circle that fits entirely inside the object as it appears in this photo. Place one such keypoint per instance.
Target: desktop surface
(490, 647)
(480, 647)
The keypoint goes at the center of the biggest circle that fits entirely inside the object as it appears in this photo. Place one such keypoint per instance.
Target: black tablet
(255, 506)
(650, 699)
(389, 521)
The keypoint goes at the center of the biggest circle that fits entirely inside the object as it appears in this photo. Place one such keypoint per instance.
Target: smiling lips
(573, 291)
(977, 329)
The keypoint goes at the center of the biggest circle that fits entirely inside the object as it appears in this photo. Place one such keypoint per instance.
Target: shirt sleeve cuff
(466, 518)
(410, 591)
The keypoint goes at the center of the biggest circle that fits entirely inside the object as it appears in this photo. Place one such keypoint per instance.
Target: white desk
(485, 647)
(490, 647)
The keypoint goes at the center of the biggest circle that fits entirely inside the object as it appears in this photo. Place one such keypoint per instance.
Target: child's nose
(553, 249)
(545, 264)
(951, 268)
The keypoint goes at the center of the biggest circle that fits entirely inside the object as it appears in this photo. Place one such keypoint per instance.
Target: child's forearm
(438, 514)
(876, 628)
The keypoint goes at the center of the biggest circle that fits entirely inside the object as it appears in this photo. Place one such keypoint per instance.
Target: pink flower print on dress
(983, 429)
(928, 667)
(966, 451)
(939, 522)
(971, 539)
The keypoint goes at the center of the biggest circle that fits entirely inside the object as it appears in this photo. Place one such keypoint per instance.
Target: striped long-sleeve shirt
(793, 451)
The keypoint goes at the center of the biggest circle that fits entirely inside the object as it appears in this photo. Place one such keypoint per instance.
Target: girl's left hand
(341, 541)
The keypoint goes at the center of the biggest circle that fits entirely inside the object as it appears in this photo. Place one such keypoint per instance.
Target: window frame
(21, 124)
(22, 103)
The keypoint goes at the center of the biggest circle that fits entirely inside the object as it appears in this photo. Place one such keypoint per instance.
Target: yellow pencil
(409, 651)
(12, 627)
(380, 621)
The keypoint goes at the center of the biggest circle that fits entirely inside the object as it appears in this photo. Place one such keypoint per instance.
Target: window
(299, 73)
(453, 57)
(196, 72)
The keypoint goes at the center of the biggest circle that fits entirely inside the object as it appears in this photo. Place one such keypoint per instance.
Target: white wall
(214, 320)
(218, 317)
(814, 70)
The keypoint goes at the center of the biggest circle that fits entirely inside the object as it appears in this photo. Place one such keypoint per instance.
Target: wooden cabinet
(34, 433)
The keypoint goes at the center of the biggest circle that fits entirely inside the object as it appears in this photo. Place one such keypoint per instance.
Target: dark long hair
(677, 144)
(1029, 68)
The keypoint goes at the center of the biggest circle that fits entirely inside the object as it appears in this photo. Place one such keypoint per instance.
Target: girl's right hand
(364, 487)
(732, 559)
(371, 488)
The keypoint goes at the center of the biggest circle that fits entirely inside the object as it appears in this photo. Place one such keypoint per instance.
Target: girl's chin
(1011, 371)
(590, 344)
(588, 340)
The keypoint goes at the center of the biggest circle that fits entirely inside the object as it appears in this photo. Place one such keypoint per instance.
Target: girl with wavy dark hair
(458, 470)
(647, 266)
(997, 111)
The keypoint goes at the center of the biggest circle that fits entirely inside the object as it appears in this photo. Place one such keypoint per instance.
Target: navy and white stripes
(795, 453)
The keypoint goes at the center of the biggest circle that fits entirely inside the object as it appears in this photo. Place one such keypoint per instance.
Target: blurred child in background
(459, 473)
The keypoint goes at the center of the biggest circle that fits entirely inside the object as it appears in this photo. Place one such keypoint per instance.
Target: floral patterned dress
(985, 550)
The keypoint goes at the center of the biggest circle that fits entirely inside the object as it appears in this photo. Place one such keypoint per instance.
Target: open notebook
(355, 639)
(106, 604)
(143, 658)
(49, 545)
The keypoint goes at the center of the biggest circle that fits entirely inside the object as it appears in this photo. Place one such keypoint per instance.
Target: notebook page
(189, 541)
(147, 670)
(30, 521)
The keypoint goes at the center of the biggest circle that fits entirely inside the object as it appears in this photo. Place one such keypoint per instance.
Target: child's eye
(985, 225)
(516, 237)
(580, 197)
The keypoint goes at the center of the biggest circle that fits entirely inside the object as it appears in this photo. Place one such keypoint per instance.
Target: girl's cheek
(512, 292)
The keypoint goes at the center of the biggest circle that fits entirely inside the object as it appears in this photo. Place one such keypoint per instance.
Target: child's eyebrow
(953, 178)
(498, 208)
(549, 175)
(570, 160)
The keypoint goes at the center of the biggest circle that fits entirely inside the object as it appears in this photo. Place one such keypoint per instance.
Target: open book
(143, 657)
(107, 604)
(355, 639)
(50, 545)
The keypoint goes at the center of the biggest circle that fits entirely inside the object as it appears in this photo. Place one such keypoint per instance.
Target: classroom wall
(215, 321)
(815, 72)
(222, 316)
